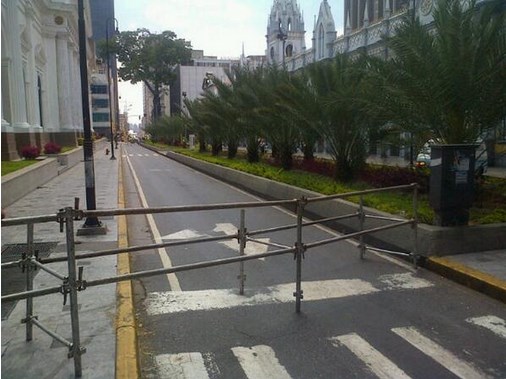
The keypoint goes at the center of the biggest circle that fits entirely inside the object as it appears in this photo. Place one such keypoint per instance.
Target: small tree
(151, 58)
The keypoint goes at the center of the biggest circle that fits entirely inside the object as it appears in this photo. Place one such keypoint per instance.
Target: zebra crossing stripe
(380, 365)
(260, 362)
(444, 357)
(493, 323)
(181, 366)
(158, 303)
(175, 302)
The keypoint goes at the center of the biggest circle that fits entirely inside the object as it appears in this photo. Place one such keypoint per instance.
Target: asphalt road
(360, 318)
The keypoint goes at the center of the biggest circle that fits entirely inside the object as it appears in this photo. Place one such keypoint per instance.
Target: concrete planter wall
(432, 240)
(19, 183)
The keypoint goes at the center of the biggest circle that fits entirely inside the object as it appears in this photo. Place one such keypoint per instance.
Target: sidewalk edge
(469, 277)
(127, 365)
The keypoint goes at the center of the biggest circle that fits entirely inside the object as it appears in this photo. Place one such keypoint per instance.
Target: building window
(272, 53)
(100, 103)
(289, 50)
(98, 88)
(321, 42)
(100, 117)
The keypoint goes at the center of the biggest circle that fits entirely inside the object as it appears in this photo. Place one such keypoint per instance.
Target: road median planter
(432, 240)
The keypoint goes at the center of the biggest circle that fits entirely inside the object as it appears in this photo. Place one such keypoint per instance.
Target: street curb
(127, 365)
(469, 277)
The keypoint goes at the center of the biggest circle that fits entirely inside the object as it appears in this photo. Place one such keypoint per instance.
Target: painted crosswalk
(176, 302)
(261, 361)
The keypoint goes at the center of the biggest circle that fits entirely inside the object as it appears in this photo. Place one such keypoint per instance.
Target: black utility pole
(109, 80)
(282, 36)
(92, 225)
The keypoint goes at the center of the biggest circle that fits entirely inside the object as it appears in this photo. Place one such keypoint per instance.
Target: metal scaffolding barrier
(73, 282)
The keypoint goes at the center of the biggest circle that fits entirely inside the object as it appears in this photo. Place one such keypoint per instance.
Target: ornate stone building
(41, 86)
(285, 32)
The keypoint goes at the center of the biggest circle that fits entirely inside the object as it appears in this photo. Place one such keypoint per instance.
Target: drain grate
(13, 252)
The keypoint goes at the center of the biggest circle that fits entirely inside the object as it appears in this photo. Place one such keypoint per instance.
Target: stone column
(62, 62)
(51, 106)
(32, 111)
(15, 72)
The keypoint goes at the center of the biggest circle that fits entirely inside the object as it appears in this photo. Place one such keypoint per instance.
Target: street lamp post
(107, 22)
(282, 36)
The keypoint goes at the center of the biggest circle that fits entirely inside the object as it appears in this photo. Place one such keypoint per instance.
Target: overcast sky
(218, 27)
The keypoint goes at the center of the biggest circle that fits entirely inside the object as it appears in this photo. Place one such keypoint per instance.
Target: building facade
(41, 86)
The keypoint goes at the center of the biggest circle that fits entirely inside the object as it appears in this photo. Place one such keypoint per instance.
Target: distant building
(104, 26)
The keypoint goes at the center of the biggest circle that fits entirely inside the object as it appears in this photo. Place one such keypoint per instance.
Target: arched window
(289, 50)
(321, 42)
(289, 26)
(272, 53)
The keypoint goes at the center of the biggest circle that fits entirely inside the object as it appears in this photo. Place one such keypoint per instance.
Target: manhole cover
(13, 252)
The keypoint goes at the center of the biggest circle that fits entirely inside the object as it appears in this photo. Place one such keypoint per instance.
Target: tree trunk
(286, 158)
(232, 149)
(252, 148)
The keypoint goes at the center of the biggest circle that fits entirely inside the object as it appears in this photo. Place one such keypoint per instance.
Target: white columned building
(41, 89)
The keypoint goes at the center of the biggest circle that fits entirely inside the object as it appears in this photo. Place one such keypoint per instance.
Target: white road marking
(181, 366)
(169, 302)
(493, 323)
(164, 257)
(444, 357)
(147, 155)
(260, 362)
(406, 280)
(380, 365)
(158, 170)
(251, 247)
(140, 155)
(183, 234)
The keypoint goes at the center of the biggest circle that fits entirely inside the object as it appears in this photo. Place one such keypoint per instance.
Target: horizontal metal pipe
(269, 243)
(293, 226)
(132, 249)
(57, 337)
(184, 208)
(356, 234)
(28, 220)
(384, 218)
(193, 266)
(357, 193)
(47, 269)
(12, 264)
(33, 293)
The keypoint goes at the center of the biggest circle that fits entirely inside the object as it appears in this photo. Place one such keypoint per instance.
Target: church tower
(285, 31)
(324, 33)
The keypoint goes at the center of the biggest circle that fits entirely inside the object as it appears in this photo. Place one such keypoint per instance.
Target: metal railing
(73, 282)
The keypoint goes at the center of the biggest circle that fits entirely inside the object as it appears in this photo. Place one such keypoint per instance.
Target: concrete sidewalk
(45, 357)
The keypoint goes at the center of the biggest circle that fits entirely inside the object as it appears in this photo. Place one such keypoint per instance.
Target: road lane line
(444, 357)
(380, 365)
(493, 323)
(181, 366)
(164, 257)
(260, 362)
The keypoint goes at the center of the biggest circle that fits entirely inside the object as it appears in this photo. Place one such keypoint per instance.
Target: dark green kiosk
(452, 183)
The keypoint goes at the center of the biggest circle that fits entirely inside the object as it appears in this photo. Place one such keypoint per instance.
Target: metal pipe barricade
(73, 282)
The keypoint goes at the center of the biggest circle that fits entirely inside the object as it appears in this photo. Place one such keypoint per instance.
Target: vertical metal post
(414, 227)
(29, 282)
(299, 255)
(72, 283)
(242, 246)
(89, 169)
(361, 219)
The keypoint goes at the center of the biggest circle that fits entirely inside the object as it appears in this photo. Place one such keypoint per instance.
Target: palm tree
(338, 112)
(447, 81)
